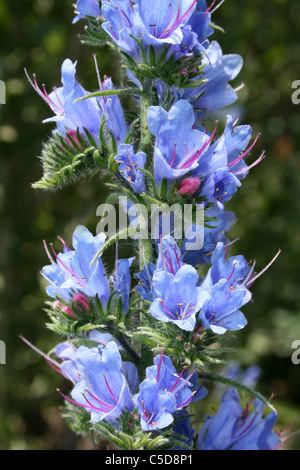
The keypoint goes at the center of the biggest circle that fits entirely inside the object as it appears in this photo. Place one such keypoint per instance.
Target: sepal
(66, 159)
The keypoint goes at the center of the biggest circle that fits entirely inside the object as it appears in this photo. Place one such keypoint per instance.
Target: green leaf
(237, 385)
(127, 232)
(114, 92)
(65, 161)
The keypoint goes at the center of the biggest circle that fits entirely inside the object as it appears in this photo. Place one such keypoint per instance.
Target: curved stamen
(233, 269)
(265, 269)
(248, 168)
(71, 401)
(187, 401)
(179, 19)
(178, 379)
(191, 159)
(167, 310)
(160, 363)
(95, 407)
(110, 390)
(176, 390)
(210, 7)
(174, 155)
(176, 256)
(234, 162)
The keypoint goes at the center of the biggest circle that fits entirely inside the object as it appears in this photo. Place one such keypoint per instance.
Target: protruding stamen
(41, 353)
(265, 269)
(160, 363)
(237, 160)
(110, 390)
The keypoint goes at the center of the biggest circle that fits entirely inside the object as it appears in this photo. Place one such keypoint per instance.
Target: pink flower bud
(189, 186)
(73, 136)
(82, 300)
(69, 312)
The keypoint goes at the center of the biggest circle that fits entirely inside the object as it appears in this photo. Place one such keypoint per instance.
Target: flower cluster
(140, 335)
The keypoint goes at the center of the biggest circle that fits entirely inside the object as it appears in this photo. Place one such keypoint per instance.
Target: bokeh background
(38, 35)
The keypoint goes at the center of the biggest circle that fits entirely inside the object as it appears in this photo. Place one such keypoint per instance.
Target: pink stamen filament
(248, 168)
(72, 401)
(177, 259)
(131, 163)
(44, 94)
(121, 12)
(169, 263)
(168, 311)
(71, 271)
(106, 405)
(41, 353)
(234, 162)
(93, 406)
(185, 164)
(243, 431)
(110, 390)
(174, 155)
(233, 269)
(265, 269)
(210, 7)
(64, 243)
(178, 379)
(187, 401)
(176, 390)
(53, 367)
(169, 30)
(48, 253)
(160, 363)
(61, 110)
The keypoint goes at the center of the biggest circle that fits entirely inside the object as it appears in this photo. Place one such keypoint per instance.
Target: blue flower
(157, 24)
(87, 8)
(235, 269)
(129, 164)
(162, 23)
(71, 115)
(72, 272)
(145, 285)
(163, 392)
(234, 429)
(183, 385)
(200, 22)
(179, 298)
(212, 235)
(113, 112)
(220, 187)
(67, 352)
(218, 69)
(120, 25)
(220, 311)
(183, 427)
(103, 389)
(168, 255)
(121, 280)
(178, 145)
(155, 406)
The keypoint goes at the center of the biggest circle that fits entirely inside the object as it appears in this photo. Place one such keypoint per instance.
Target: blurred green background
(38, 35)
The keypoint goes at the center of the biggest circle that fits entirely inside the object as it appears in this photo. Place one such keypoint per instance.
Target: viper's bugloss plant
(141, 341)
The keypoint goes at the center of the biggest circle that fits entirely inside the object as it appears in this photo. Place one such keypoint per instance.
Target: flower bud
(189, 186)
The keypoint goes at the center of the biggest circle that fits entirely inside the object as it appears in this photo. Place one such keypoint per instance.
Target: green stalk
(146, 136)
(145, 245)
